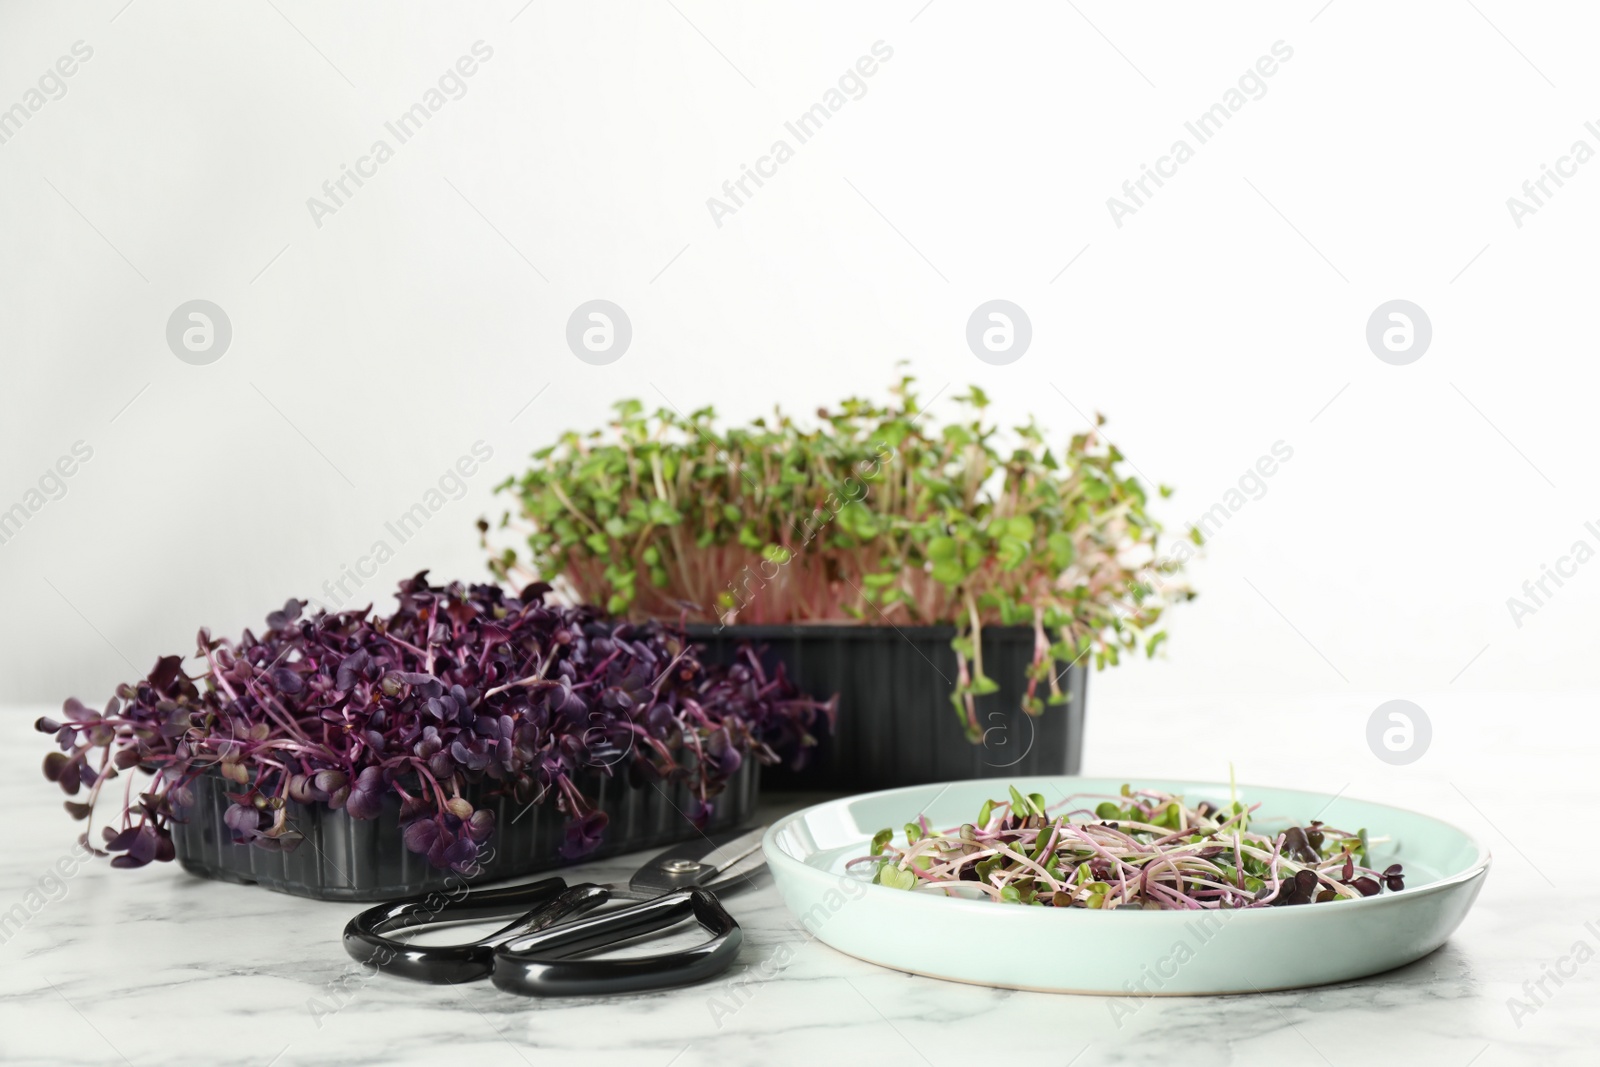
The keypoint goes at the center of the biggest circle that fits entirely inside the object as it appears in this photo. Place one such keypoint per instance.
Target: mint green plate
(1123, 952)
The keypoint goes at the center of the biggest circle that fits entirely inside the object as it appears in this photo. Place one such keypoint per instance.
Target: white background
(1227, 314)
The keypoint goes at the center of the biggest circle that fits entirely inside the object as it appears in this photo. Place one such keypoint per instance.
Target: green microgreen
(872, 513)
(1143, 849)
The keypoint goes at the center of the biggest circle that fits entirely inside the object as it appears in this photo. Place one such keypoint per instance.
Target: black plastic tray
(365, 859)
(896, 725)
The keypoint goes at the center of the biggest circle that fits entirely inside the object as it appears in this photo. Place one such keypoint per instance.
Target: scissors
(532, 954)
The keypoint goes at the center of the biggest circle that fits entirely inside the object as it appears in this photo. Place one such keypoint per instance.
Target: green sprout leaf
(1020, 805)
(894, 877)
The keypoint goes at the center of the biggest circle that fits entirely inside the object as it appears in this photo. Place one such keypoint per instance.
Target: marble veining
(158, 967)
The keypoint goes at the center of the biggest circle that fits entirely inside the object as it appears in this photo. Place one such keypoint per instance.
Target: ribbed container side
(896, 725)
(366, 859)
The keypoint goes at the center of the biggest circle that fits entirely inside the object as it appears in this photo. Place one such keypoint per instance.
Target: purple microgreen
(463, 692)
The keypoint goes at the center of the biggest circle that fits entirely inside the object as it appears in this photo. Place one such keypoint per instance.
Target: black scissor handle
(535, 903)
(537, 964)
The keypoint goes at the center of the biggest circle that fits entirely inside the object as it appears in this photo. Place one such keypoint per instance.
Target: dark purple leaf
(143, 847)
(330, 780)
(119, 842)
(420, 835)
(352, 669)
(167, 671)
(363, 805)
(286, 681)
(481, 826)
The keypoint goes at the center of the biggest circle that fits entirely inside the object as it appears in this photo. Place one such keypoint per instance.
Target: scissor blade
(696, 862)
(740, 848)
(737, 874)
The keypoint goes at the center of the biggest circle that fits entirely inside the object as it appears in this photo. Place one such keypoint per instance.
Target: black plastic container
(896, 725)
(365, 859)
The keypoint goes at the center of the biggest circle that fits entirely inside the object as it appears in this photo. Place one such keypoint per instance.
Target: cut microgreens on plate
(1143, 849)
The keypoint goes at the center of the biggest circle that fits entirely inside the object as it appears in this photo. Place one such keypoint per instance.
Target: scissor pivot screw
(681, 866)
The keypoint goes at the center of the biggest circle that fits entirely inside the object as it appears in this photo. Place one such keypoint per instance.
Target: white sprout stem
(1141, 862)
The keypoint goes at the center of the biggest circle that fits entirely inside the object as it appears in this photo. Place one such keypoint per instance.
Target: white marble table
(157, 967)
